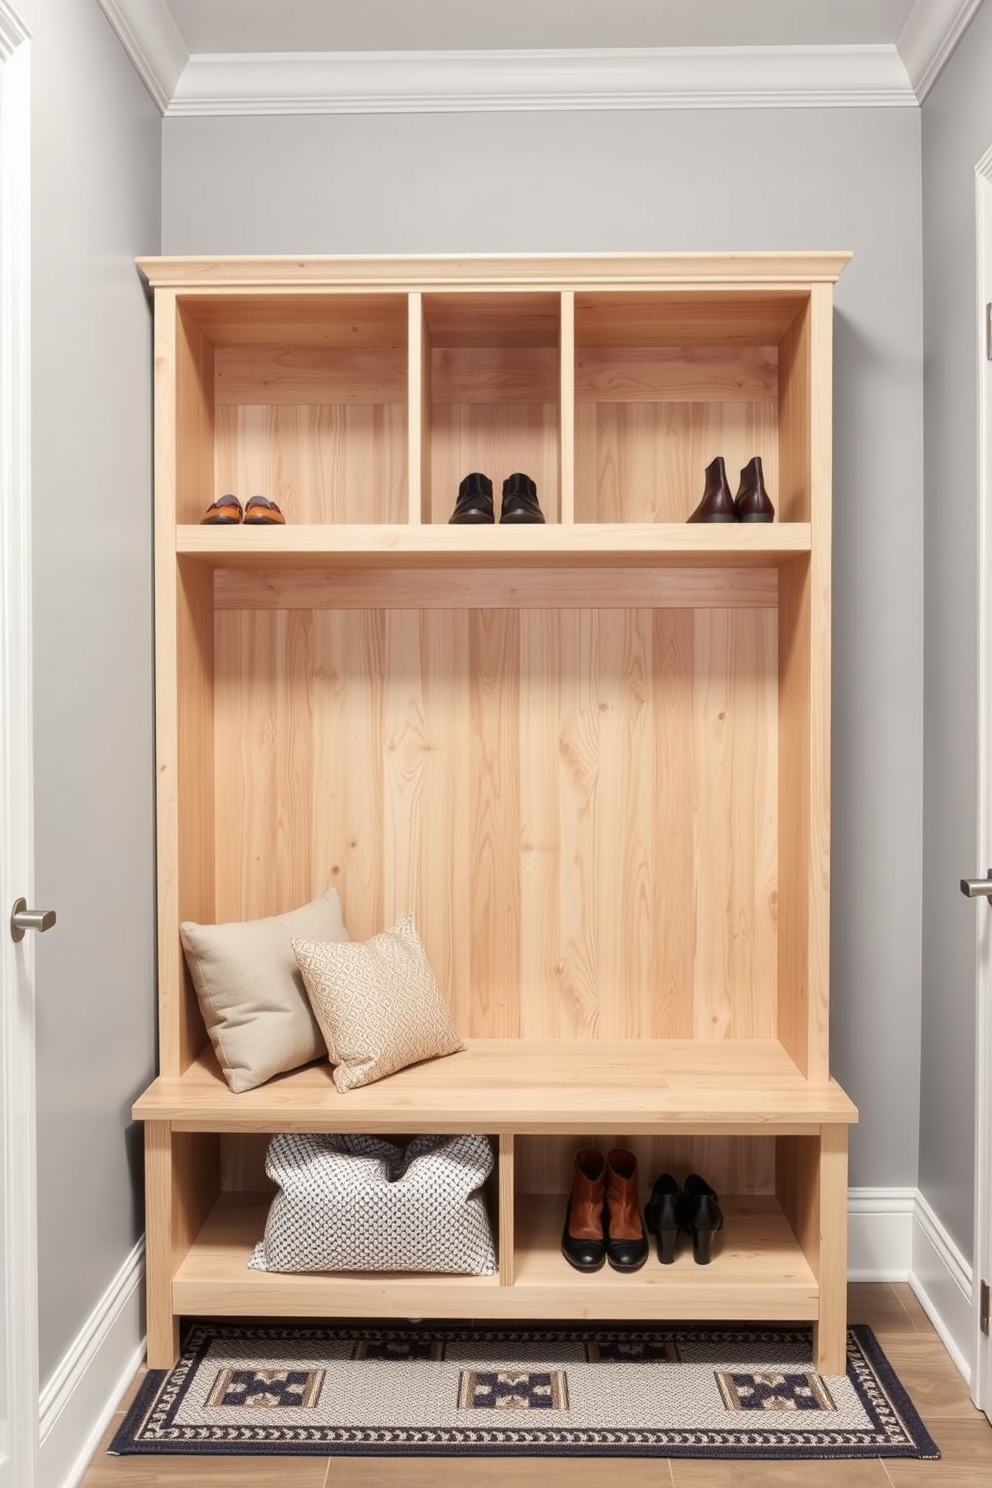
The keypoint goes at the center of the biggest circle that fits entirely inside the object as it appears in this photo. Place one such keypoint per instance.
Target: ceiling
(319, 56)
(400, 25)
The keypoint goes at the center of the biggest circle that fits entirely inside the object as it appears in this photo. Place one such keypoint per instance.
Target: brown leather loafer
(224, 512)
(261, 512)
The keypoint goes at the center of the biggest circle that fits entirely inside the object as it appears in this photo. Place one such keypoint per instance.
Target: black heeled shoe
(701, 1216)
(663, 1216)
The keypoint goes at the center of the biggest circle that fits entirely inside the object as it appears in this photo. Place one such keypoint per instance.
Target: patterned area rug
(594, 1391)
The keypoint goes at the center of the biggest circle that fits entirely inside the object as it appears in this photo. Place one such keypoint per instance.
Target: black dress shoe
(717, 504)
(520, 503)
(752, 502)
(702, 1217)
(663, 1216)
(475, 500)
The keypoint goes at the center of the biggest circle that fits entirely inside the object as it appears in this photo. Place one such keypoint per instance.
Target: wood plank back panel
(459, 588)
(676, 374)
(332, 462)
(736, 1165)
(498, 773)
(643, 460)
(496, 439)
(305, 375)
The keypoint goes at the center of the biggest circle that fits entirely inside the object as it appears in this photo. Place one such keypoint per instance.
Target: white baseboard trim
(78, 1401)
(880, 1233)
(942, 1281)
(893, 1235)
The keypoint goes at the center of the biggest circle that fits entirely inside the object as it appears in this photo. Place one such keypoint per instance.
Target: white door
(981, 1379)
(18, 1264)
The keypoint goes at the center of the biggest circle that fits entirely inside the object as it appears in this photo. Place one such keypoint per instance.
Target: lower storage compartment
(780, 1255)
(759, 1273)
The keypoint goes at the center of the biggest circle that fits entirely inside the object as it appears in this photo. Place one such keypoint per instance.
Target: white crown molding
(634, 78)
(148, 33)
(629, 78)
(932, 31)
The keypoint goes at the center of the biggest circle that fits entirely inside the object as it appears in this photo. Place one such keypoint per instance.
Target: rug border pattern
(896, 1430)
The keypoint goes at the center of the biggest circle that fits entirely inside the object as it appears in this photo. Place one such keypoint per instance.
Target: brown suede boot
(626, 1242)
(583, 1240)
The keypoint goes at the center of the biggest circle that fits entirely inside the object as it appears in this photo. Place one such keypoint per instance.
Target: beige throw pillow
(378, 1004)
(251, 992)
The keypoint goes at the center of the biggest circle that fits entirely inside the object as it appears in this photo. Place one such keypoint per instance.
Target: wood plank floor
(962, 1433)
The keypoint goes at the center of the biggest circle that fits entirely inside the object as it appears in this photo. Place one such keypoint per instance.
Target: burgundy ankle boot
(717, 504)
(752, 502)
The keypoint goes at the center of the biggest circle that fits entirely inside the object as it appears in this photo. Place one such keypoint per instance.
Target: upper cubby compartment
(491, 368)
(302, 398)
(667, 380)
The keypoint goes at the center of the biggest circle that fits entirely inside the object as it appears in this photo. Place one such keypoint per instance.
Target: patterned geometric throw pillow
(349, 1202)
(377, 1002)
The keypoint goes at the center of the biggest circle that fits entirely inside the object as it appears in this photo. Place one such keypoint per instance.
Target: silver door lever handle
(22, 918)
(977, 888)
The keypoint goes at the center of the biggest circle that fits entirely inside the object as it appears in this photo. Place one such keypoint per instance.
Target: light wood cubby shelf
(591, 756)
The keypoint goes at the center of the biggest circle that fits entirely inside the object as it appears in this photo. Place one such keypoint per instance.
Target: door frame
(17, 1015)
(981, 1373)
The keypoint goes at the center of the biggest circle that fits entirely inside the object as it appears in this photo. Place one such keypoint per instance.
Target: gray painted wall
(957, 130)
(96, 181)
(696, 180)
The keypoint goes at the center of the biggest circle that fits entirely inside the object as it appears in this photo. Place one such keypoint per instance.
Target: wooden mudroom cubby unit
(591, 756)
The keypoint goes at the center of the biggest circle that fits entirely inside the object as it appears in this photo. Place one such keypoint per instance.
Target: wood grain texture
(505, 374)
(181, 1186)
(506, 1200)
(497, 439)
(321, 463)
(566, 407)
(676, 374)
(811, 1184)
(643, 460)
(591, 756)
(647, 1087)
(419, 382)
(341, 320)
(691, 317)
(352, 548)
(472, 588)
(696, 276)
(757, 1272)
(499, 317)
(502, 774)
(733, 1165)
(183, 673)
(267, 375)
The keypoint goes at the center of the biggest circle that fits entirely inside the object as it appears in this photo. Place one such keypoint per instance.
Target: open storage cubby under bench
(591, 756)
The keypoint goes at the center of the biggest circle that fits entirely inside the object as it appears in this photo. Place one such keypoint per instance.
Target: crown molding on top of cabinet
(148, 32)
(932, 31)
(492, 81)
